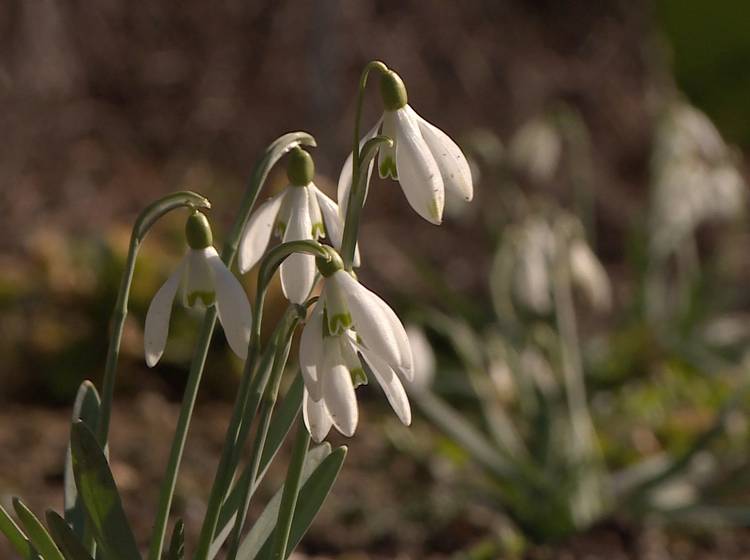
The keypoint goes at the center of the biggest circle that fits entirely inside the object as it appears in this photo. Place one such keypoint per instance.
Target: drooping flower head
(203, 280)
(424, 159)
(349, 321)
(301, 211)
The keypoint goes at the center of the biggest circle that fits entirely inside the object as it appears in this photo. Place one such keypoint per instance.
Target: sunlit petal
(454, 168)
(345, 178)
(317, 418)
(156, 329)
(418, 172)
(311, 351)
(232, 304)
(258, 232)
(340, 400)
(298, 270)
(392, 387)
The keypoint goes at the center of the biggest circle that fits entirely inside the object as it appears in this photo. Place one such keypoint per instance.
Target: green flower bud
(393, 91)
(329, 267)
(198, 231)
(300, 168)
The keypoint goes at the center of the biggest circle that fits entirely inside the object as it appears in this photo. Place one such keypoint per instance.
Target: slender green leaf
(264, 525)
(86, 409)
(16, 536)
(282, 422)
(177, 544)
(37, 533)
(100, 497)
(314, 491)
(277, 431)
(70, 545)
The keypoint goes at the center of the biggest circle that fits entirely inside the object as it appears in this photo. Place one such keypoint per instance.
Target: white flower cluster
(349, 326)
(695, 177)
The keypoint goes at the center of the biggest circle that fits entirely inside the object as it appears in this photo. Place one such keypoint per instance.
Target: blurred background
(588, 313)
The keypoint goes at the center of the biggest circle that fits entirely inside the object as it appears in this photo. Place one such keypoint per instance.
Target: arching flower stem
(272, 154)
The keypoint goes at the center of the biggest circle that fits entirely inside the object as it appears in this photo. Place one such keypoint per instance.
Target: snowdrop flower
(423, 159)
(301, 211)
(203, 280)
(696, 178)
(536, 149)
(347, 322)
(423, 358)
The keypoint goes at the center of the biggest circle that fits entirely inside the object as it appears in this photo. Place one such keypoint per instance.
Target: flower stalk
(272, 154)
(142, 225)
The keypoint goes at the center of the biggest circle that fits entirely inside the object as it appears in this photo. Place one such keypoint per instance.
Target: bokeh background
(565, 110)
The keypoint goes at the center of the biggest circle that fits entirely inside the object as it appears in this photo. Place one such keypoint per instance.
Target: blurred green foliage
(711, 49)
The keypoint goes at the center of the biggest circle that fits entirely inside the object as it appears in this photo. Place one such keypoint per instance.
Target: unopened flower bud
(393, 91)
(198, 231)
(300, 168)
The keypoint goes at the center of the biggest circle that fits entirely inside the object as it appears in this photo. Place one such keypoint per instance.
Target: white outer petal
(156, 329)
(257, 232)
(232, 304)
(317, 418)
(454, 168)
(340, 400)
(345, 178)
(311, 351)
(298, 270)
(418, 172)
(371, 320)
(392, 387)
(333, 222)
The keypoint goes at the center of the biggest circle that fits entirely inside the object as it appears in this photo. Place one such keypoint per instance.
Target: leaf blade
(37, 533)
(101, 499)
(65, 538)
(17, 538)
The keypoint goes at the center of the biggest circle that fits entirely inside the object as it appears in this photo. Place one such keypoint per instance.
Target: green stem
(356, 163)
(269, 402)
(272, 154)
(290, 494)
(143, 223)
(357, 199)
(251, 388)
(232, 444)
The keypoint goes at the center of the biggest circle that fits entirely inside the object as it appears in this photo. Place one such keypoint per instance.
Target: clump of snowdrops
(349, 336)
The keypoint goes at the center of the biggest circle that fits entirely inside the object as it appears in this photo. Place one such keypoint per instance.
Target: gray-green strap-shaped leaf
(265, 523)
(100, 497)
(315, 489)
(277, 431)
(68, 543)
(86, 409)
(176, 549)
(37, 533)
(16, 536)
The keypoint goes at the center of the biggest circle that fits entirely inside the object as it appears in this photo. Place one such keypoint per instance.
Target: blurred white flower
(423, 159)
(589, 275)
(534, 250)
(536, 148)
(347, 322)
(203, 280)
(695, 177)
(423, 358)
(301, 211)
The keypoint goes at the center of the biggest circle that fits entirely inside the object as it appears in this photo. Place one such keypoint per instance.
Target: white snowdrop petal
(156, 329)
(316, 216)
(454, 168)
(317, 419)
(418, 172)
(423, 357)
(406, 360)
(386, 154)
(391, 384)
(345, 178)
(232, 304)
(311, 351)
(371, 323)
(257, 233)
(330, 212)
(298, 270)
(340, 400)
(198, 285)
